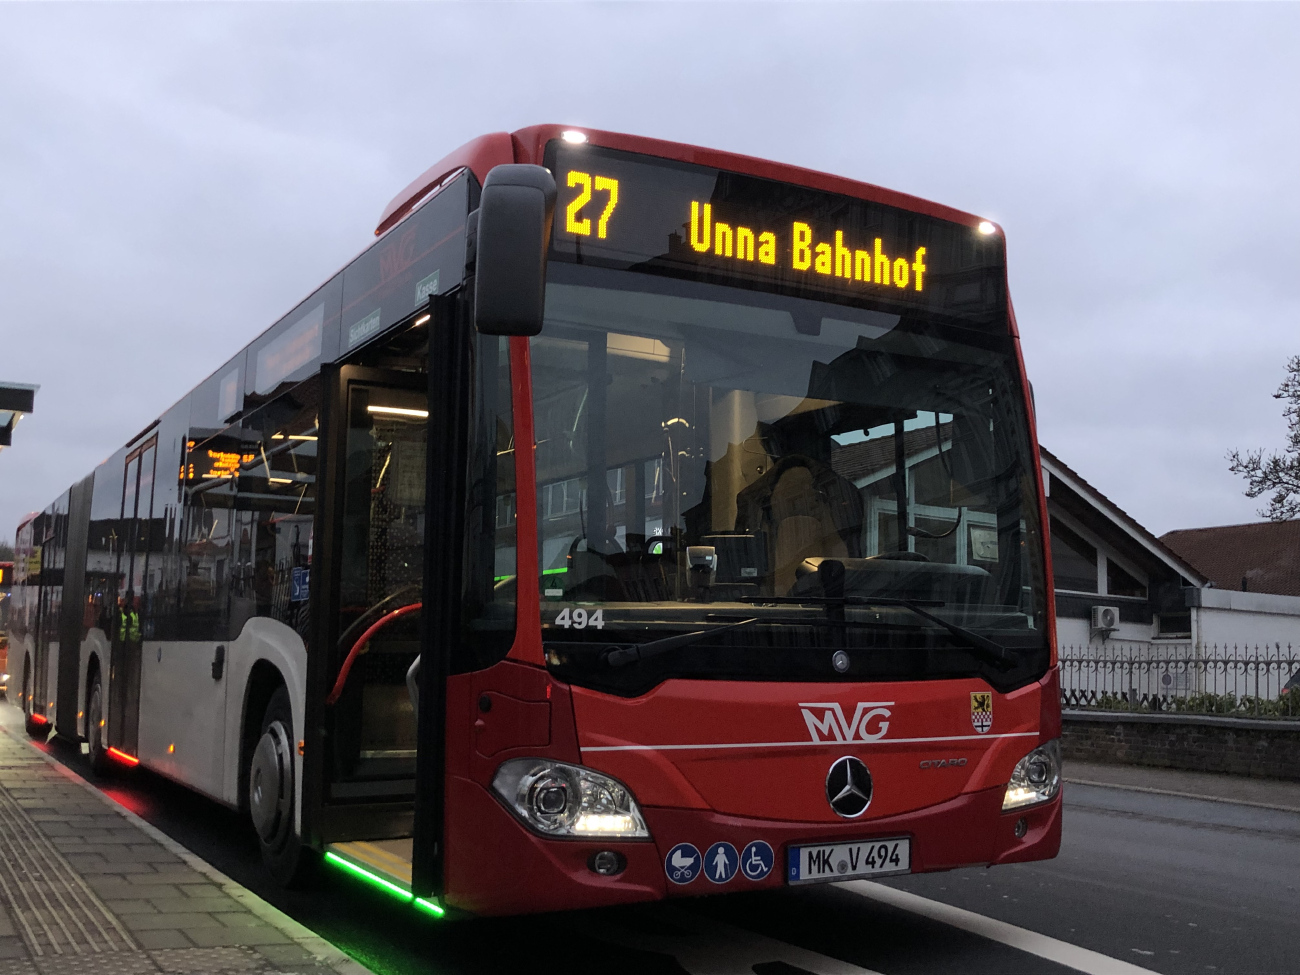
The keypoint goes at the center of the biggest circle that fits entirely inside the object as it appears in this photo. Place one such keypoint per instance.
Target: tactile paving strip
(55, 913)
(192, 961)
(111, 963)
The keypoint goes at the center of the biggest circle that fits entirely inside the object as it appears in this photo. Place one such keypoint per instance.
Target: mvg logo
(870, 721)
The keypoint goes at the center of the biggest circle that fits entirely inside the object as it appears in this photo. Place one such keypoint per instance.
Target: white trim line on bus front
(797, 744)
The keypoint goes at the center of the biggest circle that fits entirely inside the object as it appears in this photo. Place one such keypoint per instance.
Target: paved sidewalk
(88, 888)
(1265, 793)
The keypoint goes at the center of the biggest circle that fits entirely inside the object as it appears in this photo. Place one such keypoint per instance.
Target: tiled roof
(1265, 554)
(1190, 570)
(858, 460)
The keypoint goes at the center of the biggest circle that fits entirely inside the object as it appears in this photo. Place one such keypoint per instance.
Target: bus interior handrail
(358, 647)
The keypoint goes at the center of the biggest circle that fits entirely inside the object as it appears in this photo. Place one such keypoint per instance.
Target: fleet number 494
(580, 619)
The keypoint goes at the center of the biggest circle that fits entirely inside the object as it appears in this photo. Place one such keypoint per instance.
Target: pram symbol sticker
(683, 863)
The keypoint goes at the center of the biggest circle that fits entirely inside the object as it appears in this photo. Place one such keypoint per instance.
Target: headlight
(557, 799)
(1037, 778)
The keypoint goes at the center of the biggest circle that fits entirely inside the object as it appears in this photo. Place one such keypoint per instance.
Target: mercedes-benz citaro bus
(628, 521)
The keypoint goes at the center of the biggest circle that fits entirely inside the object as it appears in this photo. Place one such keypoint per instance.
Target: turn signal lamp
(1036, 778)
(558, 799)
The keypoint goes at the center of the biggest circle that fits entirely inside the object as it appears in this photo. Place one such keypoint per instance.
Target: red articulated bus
(628, 521)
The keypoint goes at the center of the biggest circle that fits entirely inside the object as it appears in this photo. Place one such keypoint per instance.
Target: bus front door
(374, 520)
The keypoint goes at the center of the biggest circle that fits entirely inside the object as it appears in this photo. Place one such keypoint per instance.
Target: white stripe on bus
(798, 744)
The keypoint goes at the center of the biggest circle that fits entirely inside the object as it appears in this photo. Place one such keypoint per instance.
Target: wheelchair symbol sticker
(756, 860)
(683, 863)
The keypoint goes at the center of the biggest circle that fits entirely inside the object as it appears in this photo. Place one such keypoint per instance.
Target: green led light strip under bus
(425, 905)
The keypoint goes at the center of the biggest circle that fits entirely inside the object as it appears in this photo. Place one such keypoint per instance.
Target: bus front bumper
(495, 865)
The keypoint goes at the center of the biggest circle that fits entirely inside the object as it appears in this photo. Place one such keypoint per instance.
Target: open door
(394, 519)
(373, 520)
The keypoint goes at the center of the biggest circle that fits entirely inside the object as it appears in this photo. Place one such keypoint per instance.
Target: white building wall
(1228, 618)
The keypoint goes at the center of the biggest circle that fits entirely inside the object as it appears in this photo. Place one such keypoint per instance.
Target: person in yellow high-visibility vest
(128, 619)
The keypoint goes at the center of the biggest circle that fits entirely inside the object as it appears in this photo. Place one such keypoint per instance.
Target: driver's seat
(804, 526)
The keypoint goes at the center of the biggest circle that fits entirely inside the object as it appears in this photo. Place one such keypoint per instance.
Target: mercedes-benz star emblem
(848, 787)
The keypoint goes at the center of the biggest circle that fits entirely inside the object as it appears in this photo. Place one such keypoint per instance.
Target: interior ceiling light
(987, 228)
(397, 411)
(422, 319)
(574, 136)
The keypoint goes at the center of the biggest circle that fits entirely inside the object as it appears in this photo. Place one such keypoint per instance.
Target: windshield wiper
(994, 653)
(983, 647)
(622, 656)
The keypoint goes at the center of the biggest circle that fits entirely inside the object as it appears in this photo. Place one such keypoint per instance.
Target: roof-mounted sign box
(17, 397)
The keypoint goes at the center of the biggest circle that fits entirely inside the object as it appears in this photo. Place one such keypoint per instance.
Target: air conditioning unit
(1105, 619)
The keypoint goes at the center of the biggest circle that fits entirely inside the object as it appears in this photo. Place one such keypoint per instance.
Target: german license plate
(845, 861)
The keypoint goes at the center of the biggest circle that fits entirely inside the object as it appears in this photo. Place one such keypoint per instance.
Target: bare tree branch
(1278, 473)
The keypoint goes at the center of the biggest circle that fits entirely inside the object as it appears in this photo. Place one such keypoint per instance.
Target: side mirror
(514, 231)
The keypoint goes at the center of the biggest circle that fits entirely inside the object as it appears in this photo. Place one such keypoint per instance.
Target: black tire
(95, 725)
(37, 730)
(271, 796)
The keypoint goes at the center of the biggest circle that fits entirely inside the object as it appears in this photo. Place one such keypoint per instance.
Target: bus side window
(276, 504)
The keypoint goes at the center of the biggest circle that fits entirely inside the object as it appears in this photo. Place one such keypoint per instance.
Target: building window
(1174, 624)
(1074, 561)
(616, 480)
(1120, 583)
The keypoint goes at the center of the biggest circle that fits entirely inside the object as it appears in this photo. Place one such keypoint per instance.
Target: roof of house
(1261, 557)
(857, 461)
(1055, 468)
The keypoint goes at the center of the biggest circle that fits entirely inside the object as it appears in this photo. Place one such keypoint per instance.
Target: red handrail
(362, 640)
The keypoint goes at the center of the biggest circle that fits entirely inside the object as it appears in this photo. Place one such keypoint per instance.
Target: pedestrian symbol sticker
(721, 862)
(756, 860)
(682, 863)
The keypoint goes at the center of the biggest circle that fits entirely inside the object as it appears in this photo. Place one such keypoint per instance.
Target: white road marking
(1061, 952)
(703, 946)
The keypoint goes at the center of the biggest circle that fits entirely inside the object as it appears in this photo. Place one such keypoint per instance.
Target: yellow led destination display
(806, 254)
(635, 212)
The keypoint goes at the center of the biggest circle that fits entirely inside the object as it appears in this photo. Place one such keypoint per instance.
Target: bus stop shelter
(16, 399)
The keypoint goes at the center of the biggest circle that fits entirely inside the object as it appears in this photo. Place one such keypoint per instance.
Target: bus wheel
(38, 730)
(95, 726)
(271, 796)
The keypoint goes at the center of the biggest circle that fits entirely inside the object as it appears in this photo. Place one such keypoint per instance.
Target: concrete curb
(305, 938)
(1182, 795)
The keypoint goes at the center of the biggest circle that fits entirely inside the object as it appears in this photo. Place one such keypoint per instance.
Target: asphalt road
(1161, 883)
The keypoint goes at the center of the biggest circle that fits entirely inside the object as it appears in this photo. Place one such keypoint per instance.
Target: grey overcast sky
(175, 177)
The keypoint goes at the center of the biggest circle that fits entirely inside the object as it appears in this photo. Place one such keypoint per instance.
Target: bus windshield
(708, 455)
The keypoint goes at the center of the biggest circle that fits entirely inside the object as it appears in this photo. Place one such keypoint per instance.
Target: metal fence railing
(1246, 681)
